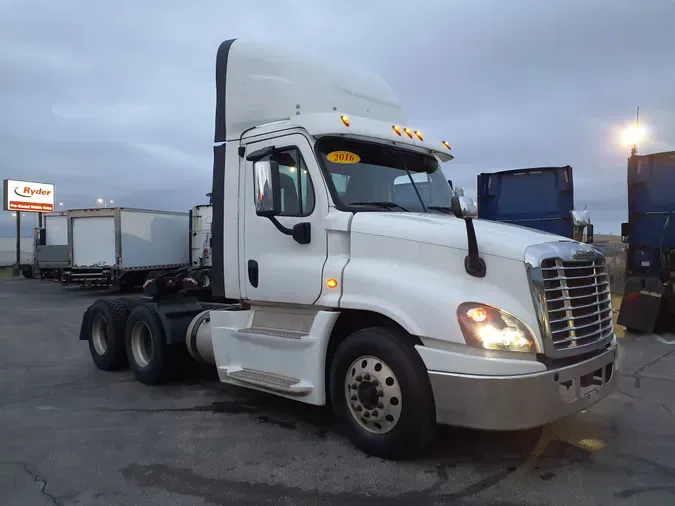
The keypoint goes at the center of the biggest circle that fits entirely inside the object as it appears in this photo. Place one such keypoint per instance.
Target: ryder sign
(28, 196)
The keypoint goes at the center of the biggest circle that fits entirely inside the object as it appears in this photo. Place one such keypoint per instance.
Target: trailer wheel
(151, 359)
(380, 391)
(27, 272)
(106, 335)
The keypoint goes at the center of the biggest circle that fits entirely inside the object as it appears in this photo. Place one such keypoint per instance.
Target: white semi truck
(325, 289)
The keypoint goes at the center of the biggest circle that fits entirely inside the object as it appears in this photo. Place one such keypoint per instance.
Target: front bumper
(526, 401)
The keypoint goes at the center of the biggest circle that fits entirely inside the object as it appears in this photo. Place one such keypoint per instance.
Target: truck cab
(541, 198)
(332, 285)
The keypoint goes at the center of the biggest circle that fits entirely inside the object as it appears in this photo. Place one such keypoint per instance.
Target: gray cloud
(116, 100)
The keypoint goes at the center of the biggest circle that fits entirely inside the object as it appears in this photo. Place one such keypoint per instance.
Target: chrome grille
(577, 301)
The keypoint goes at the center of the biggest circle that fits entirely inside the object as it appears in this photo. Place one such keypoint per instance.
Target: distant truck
(649, 295)
(51, 254)
(122, 247)
(541, 198)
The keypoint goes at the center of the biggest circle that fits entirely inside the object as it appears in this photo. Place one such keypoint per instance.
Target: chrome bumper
(522, 402)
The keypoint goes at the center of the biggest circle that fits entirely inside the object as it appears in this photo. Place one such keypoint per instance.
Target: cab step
(277, 382)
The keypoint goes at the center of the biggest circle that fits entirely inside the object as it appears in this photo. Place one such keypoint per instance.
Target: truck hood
(496, 239)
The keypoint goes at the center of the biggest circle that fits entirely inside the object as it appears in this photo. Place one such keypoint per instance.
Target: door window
(297, 190)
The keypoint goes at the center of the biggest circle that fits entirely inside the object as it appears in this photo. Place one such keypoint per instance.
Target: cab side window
(297, 190)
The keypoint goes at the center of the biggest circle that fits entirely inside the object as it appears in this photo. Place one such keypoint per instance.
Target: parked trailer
(121, 246)
(327, 291)
(8, 254)
(649, 295)
(52, 255)
(541, 198)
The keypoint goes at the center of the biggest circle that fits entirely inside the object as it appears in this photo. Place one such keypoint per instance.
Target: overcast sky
(116, 99)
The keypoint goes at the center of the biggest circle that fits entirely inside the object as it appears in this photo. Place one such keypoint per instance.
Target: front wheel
(381, 393)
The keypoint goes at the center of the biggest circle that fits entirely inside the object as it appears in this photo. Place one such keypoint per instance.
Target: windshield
(364, 172)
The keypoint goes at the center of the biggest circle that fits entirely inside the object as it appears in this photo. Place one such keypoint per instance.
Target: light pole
(633, 135)
(104, 202)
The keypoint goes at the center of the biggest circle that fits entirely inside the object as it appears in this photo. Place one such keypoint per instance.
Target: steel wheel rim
(141, 344)
(99, 334)
(373, 394)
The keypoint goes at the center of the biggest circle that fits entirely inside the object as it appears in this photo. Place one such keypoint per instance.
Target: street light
(633, 135)
(104, 202)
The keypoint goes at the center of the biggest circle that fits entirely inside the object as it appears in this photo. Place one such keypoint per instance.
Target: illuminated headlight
(489, 328)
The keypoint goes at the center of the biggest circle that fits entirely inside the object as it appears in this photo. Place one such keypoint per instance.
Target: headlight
(489, 328)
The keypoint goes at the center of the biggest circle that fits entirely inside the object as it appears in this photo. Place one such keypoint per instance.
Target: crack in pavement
(37, 477)
(639, 370)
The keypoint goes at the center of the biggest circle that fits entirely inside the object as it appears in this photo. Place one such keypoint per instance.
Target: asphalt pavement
(73, 435)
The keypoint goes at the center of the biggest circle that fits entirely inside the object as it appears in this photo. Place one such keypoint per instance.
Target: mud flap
(641, 304)
(85, 326)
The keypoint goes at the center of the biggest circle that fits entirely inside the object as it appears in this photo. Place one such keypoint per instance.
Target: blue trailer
(649, 299)
(541, 198)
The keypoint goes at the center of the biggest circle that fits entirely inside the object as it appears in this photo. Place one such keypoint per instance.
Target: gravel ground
(74, 435)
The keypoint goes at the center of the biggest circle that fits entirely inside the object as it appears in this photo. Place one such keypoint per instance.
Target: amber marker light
(331, 283)
(345, 120)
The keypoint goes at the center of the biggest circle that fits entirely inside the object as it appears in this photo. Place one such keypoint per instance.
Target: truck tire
(380, 392)
(106, 335)
(151, 358)
(132, 302)
(27, 272)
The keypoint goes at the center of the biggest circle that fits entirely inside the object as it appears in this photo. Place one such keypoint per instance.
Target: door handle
(253, 273)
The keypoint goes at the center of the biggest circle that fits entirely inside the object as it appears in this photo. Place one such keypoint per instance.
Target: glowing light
(477, 314)
(345, 120)
(633, 135)
(396, 129)
(331, 283)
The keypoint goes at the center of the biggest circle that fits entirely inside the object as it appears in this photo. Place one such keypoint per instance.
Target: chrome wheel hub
(373, 394)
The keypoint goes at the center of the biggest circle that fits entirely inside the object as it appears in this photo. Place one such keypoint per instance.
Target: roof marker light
(408, 132)
(446, 144)
(345, 120)
(418, 134)
(396, 129)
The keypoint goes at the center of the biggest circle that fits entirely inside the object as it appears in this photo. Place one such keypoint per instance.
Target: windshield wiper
(442, 209)
(385, 204)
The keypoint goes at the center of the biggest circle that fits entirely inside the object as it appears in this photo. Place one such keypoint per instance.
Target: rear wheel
(106, 334)
(151, 359)
(380, 391)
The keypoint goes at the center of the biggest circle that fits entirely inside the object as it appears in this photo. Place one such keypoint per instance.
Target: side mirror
(463, 207)
(625, 232)
(589, 234)
(580, 218)
(267, 188)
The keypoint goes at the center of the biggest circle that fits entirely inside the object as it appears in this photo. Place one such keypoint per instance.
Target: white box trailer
(52, 255)
(8, 251)
(200, 236)
(121, 246)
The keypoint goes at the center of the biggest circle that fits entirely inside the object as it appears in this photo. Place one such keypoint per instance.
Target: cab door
(274, 267)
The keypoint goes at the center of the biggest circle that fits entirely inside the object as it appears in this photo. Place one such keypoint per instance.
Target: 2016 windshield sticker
(345, 157)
